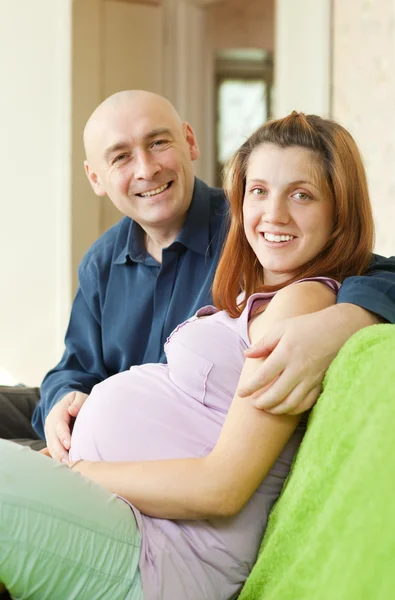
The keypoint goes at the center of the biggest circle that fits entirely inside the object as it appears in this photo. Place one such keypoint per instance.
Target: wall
(364, 98)
(116, 46)
(142, 45)
(131, 49)
(187, 67)
(87, 93)
(302, 56)
(63, 59)
(241, 24)
(35, 112)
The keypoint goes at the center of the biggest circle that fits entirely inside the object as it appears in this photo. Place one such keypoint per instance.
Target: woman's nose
(276, 210)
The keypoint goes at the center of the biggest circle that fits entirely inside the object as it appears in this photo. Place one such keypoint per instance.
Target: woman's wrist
(74, 463)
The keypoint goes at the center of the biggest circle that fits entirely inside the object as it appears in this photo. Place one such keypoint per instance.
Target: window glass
(242, 108)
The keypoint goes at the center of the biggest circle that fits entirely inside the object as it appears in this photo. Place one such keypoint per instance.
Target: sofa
(331, 534)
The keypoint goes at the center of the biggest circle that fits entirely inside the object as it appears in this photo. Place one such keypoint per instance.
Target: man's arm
(82, 363)
(299, 351)
(375, 291)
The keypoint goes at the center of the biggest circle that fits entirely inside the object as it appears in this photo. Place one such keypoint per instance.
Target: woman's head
(299, 208)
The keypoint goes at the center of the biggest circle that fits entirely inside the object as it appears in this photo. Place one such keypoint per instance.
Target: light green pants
(63, 537)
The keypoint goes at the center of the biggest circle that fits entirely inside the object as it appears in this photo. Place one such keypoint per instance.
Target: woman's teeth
(278, 238)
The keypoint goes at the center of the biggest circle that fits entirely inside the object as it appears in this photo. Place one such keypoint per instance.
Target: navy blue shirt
(127, 303)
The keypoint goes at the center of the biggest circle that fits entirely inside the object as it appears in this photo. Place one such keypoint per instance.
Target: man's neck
(156, 241)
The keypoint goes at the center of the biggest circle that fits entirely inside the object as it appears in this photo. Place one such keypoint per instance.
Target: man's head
(140, 153)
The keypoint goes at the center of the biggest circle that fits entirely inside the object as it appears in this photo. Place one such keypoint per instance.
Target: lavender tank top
(176, 410)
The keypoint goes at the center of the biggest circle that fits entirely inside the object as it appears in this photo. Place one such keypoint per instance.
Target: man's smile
(155, 191)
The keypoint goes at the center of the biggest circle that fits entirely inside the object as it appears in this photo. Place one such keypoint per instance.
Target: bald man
(155, 268)
(148, 273)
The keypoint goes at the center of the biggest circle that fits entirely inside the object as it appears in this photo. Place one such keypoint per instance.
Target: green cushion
(331, 535)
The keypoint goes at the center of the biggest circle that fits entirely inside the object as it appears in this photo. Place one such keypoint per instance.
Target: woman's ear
(94, 180)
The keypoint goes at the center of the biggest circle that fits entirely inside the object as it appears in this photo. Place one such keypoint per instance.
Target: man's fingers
(77, 403)
(56, 449)
(264, 347)
(62, 431)
(260, 350)
(307, 403)
(275, 393)
(267, 344)
(298, 401)
(57, 427)
(263, 379)
(74, 409)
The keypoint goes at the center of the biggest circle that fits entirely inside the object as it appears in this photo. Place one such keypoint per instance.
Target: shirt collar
(194, 235)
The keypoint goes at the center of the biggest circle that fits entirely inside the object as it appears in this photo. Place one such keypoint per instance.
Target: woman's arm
(250, 442)
(290, 382)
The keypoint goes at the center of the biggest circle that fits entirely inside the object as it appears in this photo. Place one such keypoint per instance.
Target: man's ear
(94, 180)
(190, 137)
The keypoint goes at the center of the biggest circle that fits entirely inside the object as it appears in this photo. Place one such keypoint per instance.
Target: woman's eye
(258, 192)
(302, 196)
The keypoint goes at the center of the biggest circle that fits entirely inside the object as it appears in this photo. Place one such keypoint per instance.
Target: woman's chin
(278, 276)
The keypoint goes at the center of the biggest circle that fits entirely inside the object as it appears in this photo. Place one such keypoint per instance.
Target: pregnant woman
(172, 474)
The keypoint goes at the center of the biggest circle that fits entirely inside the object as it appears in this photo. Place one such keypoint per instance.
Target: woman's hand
(45, 452)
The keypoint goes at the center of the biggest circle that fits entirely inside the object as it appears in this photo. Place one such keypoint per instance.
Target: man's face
(141, 157)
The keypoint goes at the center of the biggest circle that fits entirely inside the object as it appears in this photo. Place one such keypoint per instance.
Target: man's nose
(145, 166)
(276, 210)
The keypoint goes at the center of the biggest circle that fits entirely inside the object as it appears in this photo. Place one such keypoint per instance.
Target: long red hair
(349, 248)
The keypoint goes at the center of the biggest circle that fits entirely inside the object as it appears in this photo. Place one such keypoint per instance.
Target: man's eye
(158, 143)
(120, 158)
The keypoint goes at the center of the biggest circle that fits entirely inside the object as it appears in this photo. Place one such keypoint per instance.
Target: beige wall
(158, 46)
(63, 58)
(35, 112)
(302, 56)
(121, 45)
(228, 24)
(131, 48)
(116, 45)
(187, 67)
(87, 93)
(241, 24)
(364, 98)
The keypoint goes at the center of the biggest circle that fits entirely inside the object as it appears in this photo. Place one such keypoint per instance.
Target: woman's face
(288, 210)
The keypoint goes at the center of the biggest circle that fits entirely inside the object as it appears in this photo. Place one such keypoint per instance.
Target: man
(155, 267)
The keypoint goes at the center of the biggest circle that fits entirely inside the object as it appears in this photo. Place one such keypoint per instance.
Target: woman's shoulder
(259, 298)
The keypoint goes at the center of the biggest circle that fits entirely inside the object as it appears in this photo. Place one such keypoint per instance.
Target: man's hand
(298, 353)
(57, 424)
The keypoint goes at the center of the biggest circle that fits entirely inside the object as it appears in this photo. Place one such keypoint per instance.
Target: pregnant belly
(141, 415)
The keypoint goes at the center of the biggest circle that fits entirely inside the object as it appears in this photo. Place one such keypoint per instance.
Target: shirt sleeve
(374, 291)
(82, 365)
